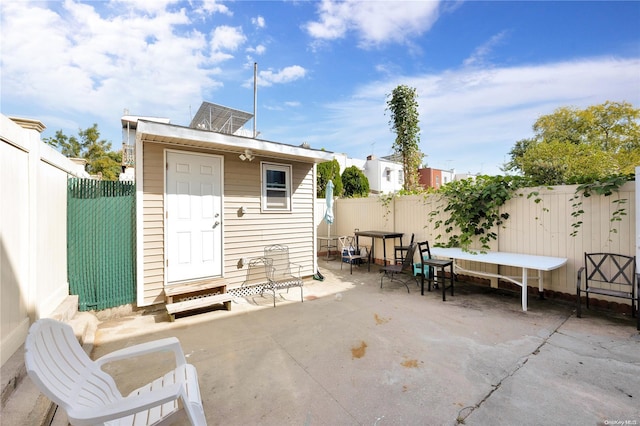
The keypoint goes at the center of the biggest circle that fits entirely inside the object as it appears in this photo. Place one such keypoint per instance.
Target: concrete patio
(353, 354)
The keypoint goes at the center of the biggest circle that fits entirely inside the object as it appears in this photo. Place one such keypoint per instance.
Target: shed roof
(187, 136)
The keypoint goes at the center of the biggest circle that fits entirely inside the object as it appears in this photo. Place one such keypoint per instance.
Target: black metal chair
(433, 270)
(406, 268)
(609, 274)
(400, 250)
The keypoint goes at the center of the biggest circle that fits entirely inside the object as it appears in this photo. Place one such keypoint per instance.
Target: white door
(194, 216)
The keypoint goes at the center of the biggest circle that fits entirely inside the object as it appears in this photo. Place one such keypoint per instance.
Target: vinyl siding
(244, 236)
(153, 219)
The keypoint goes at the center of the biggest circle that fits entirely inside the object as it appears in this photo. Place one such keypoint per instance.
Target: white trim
(139, 168)
(637, 225)
(164, 212)
(314, 187)
(14, 340)
(178, 135)
(288, 170)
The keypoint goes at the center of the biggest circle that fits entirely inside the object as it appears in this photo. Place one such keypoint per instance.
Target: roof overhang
(131, 121)
(154, 132)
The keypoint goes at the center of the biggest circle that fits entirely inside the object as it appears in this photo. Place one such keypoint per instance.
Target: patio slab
(353, 354)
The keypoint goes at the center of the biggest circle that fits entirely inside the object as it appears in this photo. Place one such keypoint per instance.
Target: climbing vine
(605, 188)
(474, 209)
(386, 199)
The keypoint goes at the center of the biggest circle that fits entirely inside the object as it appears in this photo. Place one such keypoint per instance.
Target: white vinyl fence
(33, 230)
(542, 228)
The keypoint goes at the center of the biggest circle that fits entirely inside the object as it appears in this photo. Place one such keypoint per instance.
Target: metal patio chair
(608, 274)
(259, 273)
(285, 274)
(406, 268)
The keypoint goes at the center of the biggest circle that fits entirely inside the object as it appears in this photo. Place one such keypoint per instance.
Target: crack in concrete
(460, 419)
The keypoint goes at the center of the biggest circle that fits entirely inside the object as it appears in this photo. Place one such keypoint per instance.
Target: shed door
(194, 216)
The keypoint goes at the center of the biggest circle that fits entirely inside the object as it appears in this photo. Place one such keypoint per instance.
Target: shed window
(276, 187)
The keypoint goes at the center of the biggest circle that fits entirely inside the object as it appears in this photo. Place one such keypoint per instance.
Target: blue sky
(484, 71)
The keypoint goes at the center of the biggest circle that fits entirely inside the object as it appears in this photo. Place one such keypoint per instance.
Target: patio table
(518, 260)
(383, 235)
(328, 243)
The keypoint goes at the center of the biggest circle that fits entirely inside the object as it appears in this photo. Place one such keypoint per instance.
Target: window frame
(265, 167)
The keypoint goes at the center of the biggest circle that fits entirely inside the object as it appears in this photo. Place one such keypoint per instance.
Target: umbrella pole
(328, 241)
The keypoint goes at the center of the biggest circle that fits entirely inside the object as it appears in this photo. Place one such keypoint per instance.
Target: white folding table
(518, 260)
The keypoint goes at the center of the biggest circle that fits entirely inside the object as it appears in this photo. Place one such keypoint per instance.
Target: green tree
(355, 183)
(88, 145)
(68, 146)
(580, 145)
(329, 170)
(403, 106)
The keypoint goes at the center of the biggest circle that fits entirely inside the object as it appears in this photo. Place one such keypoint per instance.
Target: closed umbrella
(328, 216)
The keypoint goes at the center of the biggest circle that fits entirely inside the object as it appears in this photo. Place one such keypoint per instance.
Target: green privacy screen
(101, 242)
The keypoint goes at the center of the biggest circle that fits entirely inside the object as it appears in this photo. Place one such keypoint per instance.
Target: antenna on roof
(255, 98)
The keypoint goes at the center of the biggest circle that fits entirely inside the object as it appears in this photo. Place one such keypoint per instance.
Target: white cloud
(258, 21)
(72, 60)
(258, 50)
(286, 75)
(226, 38)
(480, 55)
(152, 7)
(209, 7)
(374, 22)
(470, 118)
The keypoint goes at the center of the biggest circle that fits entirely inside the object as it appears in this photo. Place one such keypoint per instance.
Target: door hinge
(167, 165)
(167, 262)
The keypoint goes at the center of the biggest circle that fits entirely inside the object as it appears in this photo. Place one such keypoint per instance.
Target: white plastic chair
(62, 370)
(352, 253)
